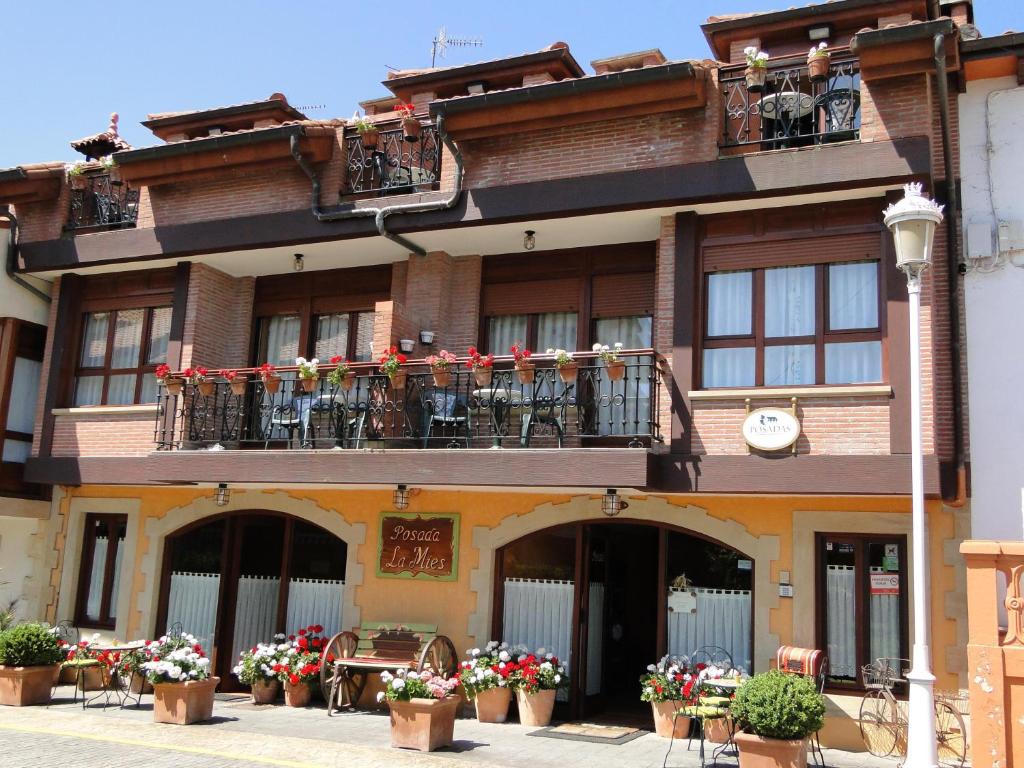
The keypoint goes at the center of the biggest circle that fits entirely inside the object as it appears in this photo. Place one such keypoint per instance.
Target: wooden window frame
(823, 335)
(532, 324)
(18, 338)
(107, 598)
(106, 371)
(860, 542)
(307, 330)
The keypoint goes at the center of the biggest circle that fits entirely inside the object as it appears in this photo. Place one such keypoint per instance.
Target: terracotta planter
(79, 181)
(535, 709)
(370, 138)
(716, 730)
(568, 372)
(492, 705)
(759, 752)
(174, 386)
(66, 675)
(616, 370)
(755, 78)
(265, 691)
(423, 724)
(207, 388)
(525, 373)
(272, 384)
(442, 378)
(238, 385)
(114, 172)
(411, 129)
(817, 68)
(309, 385)
(397, 381)
(184, 703)
(24, 686)
(483, 376)
(347, 381)
(93, 678)
(297, 695)
(664, 713)
(140, 684)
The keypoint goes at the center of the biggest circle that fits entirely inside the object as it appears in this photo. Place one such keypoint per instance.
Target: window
(862, 605)
(628, 405)
(100, 574)
(349, 334)
(799, 325)
(548, 330)
(120, 348)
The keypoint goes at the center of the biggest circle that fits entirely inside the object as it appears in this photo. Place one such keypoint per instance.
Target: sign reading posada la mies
(771, 429)
(414, 545)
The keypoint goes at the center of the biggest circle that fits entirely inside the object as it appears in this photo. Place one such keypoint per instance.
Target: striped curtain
(315, 601)
(723, 618)
(192, 603)
(255, 611)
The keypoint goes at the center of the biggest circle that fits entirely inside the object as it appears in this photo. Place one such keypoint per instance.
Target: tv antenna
(442, 41)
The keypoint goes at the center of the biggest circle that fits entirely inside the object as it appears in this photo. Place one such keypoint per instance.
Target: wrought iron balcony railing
(395, 166)
(103, 203)
(371, 411)
(791, 110)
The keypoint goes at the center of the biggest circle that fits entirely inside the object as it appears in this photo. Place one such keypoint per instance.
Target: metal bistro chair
(444, 410)
(546, 409)
(808, 662)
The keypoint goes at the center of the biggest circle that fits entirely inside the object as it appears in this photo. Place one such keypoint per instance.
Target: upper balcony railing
(791, 110)
(395, 164)
(103, 202)
(593, 405)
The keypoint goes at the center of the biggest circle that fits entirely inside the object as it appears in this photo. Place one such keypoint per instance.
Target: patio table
(501, 402)
(115, 685)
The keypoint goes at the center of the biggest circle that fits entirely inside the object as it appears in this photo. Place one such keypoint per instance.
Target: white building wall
(17, 543)
(15, 300)
(992, 172)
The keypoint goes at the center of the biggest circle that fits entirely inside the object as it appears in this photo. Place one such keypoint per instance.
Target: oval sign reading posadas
(771, 429)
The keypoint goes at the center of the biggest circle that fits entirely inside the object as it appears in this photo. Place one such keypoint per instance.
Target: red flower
(302, 632)
(303, 643)
(318, 628)
(336, 359)
(162, 371)
(402, 358)
(293, 679)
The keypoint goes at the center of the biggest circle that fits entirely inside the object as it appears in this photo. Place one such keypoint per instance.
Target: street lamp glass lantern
(912, 221)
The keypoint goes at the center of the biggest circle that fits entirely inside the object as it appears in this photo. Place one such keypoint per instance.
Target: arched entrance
(237, 578)
(613, 596)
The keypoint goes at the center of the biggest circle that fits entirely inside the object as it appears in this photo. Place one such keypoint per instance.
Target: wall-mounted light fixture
(406, 345)
(400, 498)
(298, 265)
(223, 494)
(823, 32)
(426, 337)
(529, 239)
(612, 503)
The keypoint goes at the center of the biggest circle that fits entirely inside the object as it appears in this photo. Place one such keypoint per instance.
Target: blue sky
(68, 66)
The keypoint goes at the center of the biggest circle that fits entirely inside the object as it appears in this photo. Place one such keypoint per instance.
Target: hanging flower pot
(238, 385)
(265, 691)
(79, 181)
(616, 370)
(525, 373)
(174, 385)
(272, 384)
(309, 385)
(567, 372)
(817, 68)
(756, 77)
(397, 380)
(207, 388)
(297, 695)
(442, 378)
(483, 376)
(411, 129)
(369, 138)
(348, 381)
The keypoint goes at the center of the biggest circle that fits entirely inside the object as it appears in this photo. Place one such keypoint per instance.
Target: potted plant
(615, 367)
(776, 713)
(299, 666)
(523, 364)
(342, 375)
(76, 175)
(441, 366)
(390, 364)
(818, 62)
(84, 668)
(235, 380)
(410, 125)
(565, 364)
(268, 375)
(309, 373)
(669, 686)
(369, 134)
(200, 378)
(111, 168)
(422, 708)
(29, 659)
(482, 367)
(131, 668)
(485, 678)
(535, 682)
(173, 383)
(180, 675)
(757, 68)
(255, 668)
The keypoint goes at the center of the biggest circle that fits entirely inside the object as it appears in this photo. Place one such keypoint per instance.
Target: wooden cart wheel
(439, 657)
(350, 684)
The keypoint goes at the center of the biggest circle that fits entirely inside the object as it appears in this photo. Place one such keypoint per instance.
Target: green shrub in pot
(776, 705)
(29, 645)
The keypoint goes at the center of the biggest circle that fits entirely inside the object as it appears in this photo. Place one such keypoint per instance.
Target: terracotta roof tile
(319, 128)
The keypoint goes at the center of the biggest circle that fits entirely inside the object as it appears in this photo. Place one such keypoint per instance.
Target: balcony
(395, 166)
(791, 111)
(371, 412)
(103, 202)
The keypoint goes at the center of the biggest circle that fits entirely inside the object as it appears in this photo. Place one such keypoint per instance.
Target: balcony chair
(444, 410)
(839, 108)
(547, 410)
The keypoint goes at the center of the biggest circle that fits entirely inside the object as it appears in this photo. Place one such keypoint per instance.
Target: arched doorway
(238, 578)
(611, 597)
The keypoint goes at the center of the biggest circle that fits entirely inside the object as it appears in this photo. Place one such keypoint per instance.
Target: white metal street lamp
(913, 221)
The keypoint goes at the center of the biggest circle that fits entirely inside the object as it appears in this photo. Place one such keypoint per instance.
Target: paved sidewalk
(242, 735)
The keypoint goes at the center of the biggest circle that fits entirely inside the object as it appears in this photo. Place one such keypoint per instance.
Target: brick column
(439, 293)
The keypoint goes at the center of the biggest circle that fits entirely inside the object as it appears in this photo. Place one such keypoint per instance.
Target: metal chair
(546, 409)
(443, 410)
(712, 655)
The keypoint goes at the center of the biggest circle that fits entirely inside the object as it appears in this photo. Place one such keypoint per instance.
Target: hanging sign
(885, 584)
(416, 545)
(771, 429)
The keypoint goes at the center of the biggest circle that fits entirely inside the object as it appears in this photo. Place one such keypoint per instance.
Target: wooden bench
(350, 657)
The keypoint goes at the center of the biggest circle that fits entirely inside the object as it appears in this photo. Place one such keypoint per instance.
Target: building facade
(742, 482)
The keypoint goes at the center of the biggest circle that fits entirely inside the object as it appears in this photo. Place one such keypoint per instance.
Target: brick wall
(895, 108)
(440, 293)
(664, 312)
(103, 434)
(218, 319)
(43, 220)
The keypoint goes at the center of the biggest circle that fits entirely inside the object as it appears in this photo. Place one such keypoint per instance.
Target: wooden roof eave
(905, 50)
(31, 184)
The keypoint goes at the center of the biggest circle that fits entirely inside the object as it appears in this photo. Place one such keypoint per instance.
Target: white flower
(749, 50)
(504, 656)
(398, 683)
(387, 677)
(651, 668)
(541, 651)
(558, 679)
(597, 347)
(412, 675)
(380, 696)
(618, 345)
(300, 361)
(762, 56)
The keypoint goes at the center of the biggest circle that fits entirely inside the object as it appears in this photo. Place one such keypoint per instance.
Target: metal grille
(395, 166)
(103, 203)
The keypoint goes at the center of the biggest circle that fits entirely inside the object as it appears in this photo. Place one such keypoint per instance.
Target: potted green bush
(776, 713)
(29, 659)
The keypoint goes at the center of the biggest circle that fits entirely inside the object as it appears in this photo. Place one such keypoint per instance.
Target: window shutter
(531, 297)
(786, 253)
(623, 294)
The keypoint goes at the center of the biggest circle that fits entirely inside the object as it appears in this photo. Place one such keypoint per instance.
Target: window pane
(364, 336)
(853, 362)
(21, 415)
(94, 339)
(121, 389)
(280, 340)
(632, 332)
(105, 535)
(884, 600)
(853, 295)
(504, 331)
(790, 364)
(16, 451)
(556, 330)
(159, 334)
(729, 304)
(150, 391)
(88, 390)
(127, 338)
(625, 409)
(733, 367)
(789, 301)
(331, 336)
(841, 609)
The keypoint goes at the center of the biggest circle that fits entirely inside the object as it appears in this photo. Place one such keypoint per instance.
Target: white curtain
(723, 618)
(88, 390)
(24, 394)
(538, 614)
(281, 340)
(729, 303)
(99, 564)
(884, 624)
(853, 295)
(315, 601)
(729, 367)
(556, 330)
(159, 335)
(331, 336)
(364, 336)
(255, 611)
(94, 342)
(841, 611)
(121, 389)
(853, 362)
(789, 301)
(788, 364)
(116, 582)
(632, 414)
(504, 331)
(192, 603)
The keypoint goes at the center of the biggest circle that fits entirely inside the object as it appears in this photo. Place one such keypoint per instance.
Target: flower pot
(297, 695)
(24, 686)
(411, 129)
(207, 388)
(397, 380)
(238, 385)
(568, 372)
(348, 381)
(79, 181)
(93, 678)
(535, 708)
(265, 691)
(139, 684)
(483, 376)
(525, 373)
(755, 78)
(442, 378)
(66, 676)
(114, 172)
(174, 386)
(492, 705)
(759, 752)
(272, 384)
(184, 703)
(309, 385)
(716, 730)
(666, 724)
(369, 138)
(423, 724)
(616, 370)
(817, 68)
